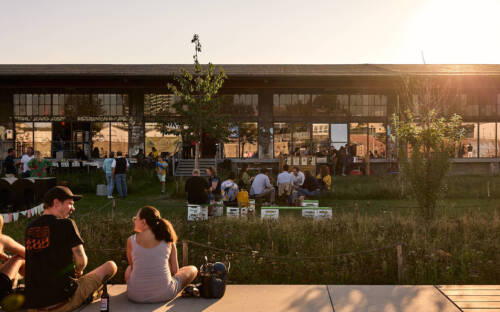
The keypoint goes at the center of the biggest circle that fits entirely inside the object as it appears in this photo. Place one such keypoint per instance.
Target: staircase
(186, 166)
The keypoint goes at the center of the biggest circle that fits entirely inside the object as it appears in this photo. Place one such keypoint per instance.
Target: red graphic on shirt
(38, 238)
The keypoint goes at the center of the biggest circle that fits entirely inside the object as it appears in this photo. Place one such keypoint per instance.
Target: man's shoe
(110, 197)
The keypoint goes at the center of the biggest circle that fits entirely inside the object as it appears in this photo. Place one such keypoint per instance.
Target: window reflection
(301, 138)
(101, 137)
(358, 137)
(338, 135)
(469, 142)
(161, 142)
(43, 138)
(282, 139)
(231, 147)
(377, 140)
(487, 145)
(119, 137)
(24, 137)
(321, 138)
(248, 133)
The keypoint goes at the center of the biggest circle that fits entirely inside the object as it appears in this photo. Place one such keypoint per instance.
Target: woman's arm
(174, 265)
(14, 247)
(129, 253)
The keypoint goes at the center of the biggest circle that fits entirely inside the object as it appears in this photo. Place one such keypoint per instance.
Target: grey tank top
(151, 280)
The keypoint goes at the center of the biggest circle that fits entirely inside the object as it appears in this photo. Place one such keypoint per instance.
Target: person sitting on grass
(262, 187)
(324, 179)
(229, 190)
(196, 189)
(161, 171)
(153, 274)
(310, 188)
(10, 268)
(53, 248)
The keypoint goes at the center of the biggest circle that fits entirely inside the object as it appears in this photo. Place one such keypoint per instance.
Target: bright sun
(456, 31)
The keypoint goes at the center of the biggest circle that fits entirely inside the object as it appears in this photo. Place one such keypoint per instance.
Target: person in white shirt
(285, 176)
(285, 184)
(261, 186)
(25, 160)
(298, 178)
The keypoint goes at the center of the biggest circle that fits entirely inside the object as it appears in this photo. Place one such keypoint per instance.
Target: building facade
(280, 109)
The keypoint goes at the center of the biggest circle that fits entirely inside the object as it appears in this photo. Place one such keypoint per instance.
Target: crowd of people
(53, 260)
(32, 164)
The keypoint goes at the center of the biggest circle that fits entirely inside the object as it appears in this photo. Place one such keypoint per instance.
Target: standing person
(262, 187)
(108, 170)
(153, 274)
(10, 164)
(196, 189)
(120, 166)
(161, 171)
(25, 160)
(245, 180)
(12, 266)
(214, 182)
(38, 166)
(342, 159)
(469, 151)
(53, 248)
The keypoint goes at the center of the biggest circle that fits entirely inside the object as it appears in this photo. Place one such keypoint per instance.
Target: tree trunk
(197, 156)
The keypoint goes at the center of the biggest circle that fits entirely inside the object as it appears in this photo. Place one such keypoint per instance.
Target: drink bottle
(105, 298)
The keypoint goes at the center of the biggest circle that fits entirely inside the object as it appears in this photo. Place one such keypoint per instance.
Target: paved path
(320, 298)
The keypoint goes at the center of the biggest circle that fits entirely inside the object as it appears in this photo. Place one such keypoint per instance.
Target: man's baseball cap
(60, 192)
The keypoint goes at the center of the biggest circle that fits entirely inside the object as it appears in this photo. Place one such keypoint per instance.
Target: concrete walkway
(317, 298)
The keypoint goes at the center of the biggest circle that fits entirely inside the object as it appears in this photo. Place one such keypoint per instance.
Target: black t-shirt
(195, 189)
(49, 260)
(9, 165)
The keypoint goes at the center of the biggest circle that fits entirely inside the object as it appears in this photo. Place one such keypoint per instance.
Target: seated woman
(229, 191)
(153, 274)
(310, 188)
(324, 179)
(11, 266)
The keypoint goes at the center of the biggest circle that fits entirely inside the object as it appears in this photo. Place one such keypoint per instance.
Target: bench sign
(323, 214)
(269, 213)
(197, 213)
(232, 212)
(309, 213)
(310, 203)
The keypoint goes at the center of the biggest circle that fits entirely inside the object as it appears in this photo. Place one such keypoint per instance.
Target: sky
(250, 32)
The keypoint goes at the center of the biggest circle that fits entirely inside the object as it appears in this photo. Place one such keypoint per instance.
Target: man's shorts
(161, 177)
(5, 286)
(87, 284)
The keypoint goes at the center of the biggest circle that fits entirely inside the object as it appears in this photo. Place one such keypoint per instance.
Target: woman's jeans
(110, 183)
(306, 192)
(121, 184)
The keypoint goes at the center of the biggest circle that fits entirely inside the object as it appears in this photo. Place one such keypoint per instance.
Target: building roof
(249, 70)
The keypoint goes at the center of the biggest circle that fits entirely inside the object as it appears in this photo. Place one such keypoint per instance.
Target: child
(161, 170)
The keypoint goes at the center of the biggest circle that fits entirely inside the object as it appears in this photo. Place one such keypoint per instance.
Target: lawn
(461, 245)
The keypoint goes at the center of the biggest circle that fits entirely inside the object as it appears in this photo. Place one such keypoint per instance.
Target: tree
(198, 105)
(248, 135)
(427, 137)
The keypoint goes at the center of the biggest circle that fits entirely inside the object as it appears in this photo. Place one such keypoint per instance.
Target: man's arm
(80, 259)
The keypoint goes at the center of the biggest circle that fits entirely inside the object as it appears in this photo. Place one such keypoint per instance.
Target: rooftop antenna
(423, 58)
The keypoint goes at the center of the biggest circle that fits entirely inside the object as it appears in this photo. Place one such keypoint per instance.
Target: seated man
(10, 267)
(229, 191)
(196, 189)
(285, 183)
(52, 242)
(310, 188)
(261, 187)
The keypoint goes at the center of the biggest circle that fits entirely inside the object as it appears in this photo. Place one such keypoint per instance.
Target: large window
(330, 104)
(282, 139)
(111, 104)
(292, 104)
(32, 104)
(377, 138)
(232, 146)
(487, 139)
(161, 142)
(301, 139)
(24, 136)
(119, 137)
(320, 137)
(241, 104)
(469, 142)
(358, 138)
(101, 137)
(368, 105)
(248, 133)
(338, 135)
(159, 104)
(43, 138)
(487, 105)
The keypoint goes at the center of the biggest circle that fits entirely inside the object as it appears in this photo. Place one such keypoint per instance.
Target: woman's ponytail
(161, 228)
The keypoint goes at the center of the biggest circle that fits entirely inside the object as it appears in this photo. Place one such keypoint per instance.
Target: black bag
(213, 279)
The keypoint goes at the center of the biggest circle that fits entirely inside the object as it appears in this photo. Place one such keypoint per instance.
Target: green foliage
(432, 141)
(198, 104)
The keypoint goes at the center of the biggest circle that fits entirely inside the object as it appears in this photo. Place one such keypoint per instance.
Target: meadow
(461, 245)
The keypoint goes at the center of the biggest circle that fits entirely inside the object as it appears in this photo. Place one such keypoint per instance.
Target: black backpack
(213, 279)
